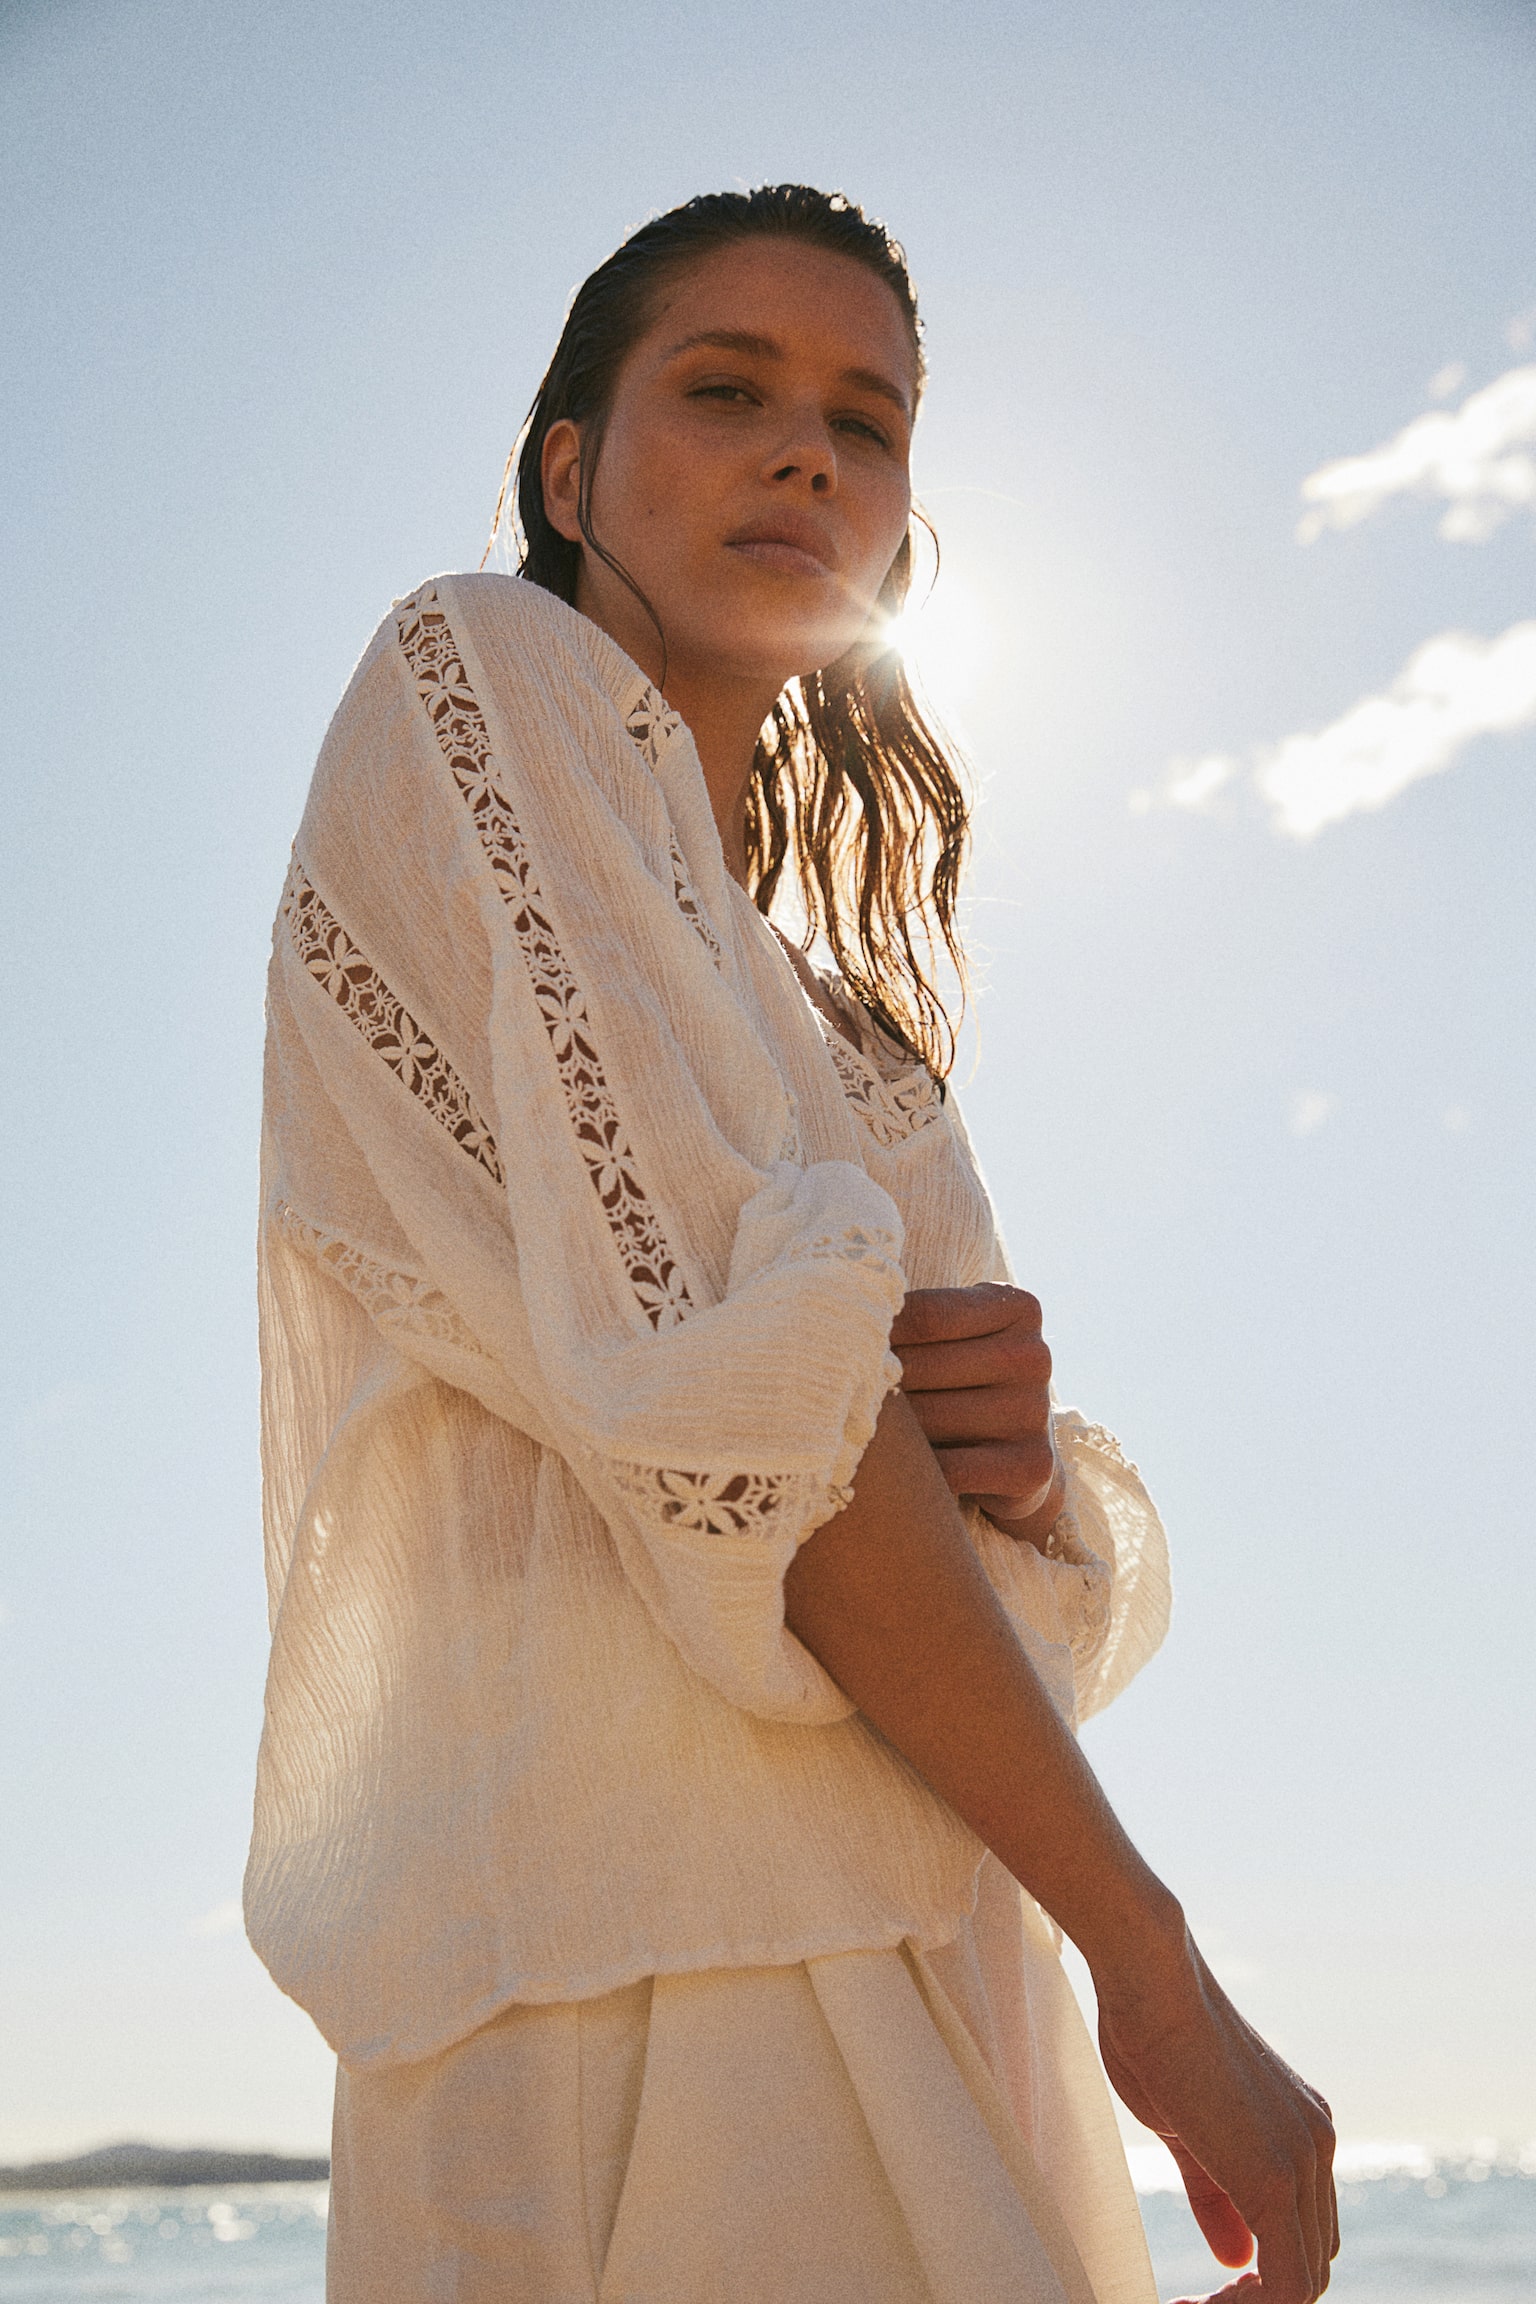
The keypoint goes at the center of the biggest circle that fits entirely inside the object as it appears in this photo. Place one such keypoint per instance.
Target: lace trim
(892, 1106)
(853, 1245)
(340, 968)
(452, 707)
(393, 1299)
(1102, 1442)
(651, 723)
(724, 1503)
(688, 902)
(1069, 1548)
(757, 1503)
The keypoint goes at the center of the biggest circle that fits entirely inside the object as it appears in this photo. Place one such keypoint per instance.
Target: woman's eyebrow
(744, 341)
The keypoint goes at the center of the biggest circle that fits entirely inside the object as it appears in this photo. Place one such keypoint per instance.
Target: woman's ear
(560, 473)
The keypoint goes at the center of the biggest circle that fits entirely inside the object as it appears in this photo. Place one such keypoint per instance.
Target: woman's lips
(777, 552)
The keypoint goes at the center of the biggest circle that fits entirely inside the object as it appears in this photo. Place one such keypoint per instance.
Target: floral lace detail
(1063, 1534)
(892, 1105)
(855, 1244)
(688, 902)
(1070, 1549)
(651, 724)
(442, 683)
(340, 968)
(758, 1503)
(724, 1503)
(393, 1299)
(1102, 1442)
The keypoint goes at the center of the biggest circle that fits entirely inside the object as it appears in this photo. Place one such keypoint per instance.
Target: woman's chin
(767, 653)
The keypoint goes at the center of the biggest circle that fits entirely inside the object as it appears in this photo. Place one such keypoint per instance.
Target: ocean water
(1445, 2237)
(1441, 2237)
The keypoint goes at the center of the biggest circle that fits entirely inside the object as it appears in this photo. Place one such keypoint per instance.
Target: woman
(683, 1595)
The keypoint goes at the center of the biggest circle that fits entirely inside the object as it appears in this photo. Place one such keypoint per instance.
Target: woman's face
(753, 475)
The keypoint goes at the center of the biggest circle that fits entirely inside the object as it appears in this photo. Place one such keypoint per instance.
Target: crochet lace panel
(724, 1503)
(893, 1104)
(688, 903)
(458, 723)
(756, 1503)
(651, 724)
(1102, 1443)
(854, 1244)
(393, 1299)
(1077, 1561)
(340, 968)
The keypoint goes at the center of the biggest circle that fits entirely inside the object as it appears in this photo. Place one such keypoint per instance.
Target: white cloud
(1456, 687)
(1311, 1109)
(1453, 689)
(1520, 335)
(1447, 380)
(1479, 459)
(1191, 784)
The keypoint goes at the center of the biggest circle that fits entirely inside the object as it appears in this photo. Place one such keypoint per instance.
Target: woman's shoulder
(468, 622)
(517, 612)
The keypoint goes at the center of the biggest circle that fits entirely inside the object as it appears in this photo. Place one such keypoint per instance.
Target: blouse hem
(548, 1991)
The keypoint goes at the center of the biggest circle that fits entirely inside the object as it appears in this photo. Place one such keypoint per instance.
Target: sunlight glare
(944, 639)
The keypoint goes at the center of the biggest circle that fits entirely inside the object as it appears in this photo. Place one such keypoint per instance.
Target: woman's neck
(724, 719)
(724, 711)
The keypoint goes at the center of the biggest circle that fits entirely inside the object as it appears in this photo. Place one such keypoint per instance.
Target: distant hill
(133, 2164)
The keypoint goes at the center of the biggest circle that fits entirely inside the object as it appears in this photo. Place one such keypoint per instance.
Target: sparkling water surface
(196, 2244)
(1442, 2239)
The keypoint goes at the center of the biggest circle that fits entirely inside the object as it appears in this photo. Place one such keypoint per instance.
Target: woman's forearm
(892, 1599)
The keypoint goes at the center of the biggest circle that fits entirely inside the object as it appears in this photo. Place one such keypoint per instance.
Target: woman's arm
(891, 1599)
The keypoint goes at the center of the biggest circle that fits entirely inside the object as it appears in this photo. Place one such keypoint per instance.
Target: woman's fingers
(1235, 2292)
(1253, 2142)
(1289, 2272)
(978, 1375)
(1316, 2202)
(1226, 2233)
(947, 1315)
(1009, 1477)
(1002, 1412)
(1327, 2189)
(1014, 1355)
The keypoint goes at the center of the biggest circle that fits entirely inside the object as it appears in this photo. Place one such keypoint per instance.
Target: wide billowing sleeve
(518, 1107)
(1115, 1533)
(1094, 1607)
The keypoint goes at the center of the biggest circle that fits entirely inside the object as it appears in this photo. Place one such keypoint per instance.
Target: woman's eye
(731, 394)
(864, 429)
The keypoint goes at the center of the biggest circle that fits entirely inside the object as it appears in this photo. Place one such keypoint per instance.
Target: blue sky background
(1257, 1110)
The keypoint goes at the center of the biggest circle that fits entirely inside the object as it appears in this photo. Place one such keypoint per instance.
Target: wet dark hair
(854, 797)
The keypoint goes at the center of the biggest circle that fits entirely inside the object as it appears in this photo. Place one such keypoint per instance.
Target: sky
(1231, 447)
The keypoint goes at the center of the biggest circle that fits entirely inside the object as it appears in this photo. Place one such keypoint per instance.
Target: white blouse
(582, 1233)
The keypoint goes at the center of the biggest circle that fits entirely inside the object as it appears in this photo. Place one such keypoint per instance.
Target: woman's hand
(891, 1598)
(978, 1374)
(1254, 2144)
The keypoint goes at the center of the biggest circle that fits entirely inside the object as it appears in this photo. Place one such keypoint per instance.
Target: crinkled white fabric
(580, 1246)
(865, 2128)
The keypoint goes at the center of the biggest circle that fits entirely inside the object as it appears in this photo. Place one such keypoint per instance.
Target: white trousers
(867, 2128)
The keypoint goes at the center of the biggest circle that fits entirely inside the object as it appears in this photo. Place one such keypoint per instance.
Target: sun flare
(944, 640)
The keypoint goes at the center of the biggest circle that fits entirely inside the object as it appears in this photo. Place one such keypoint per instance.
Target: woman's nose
(807, 455)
